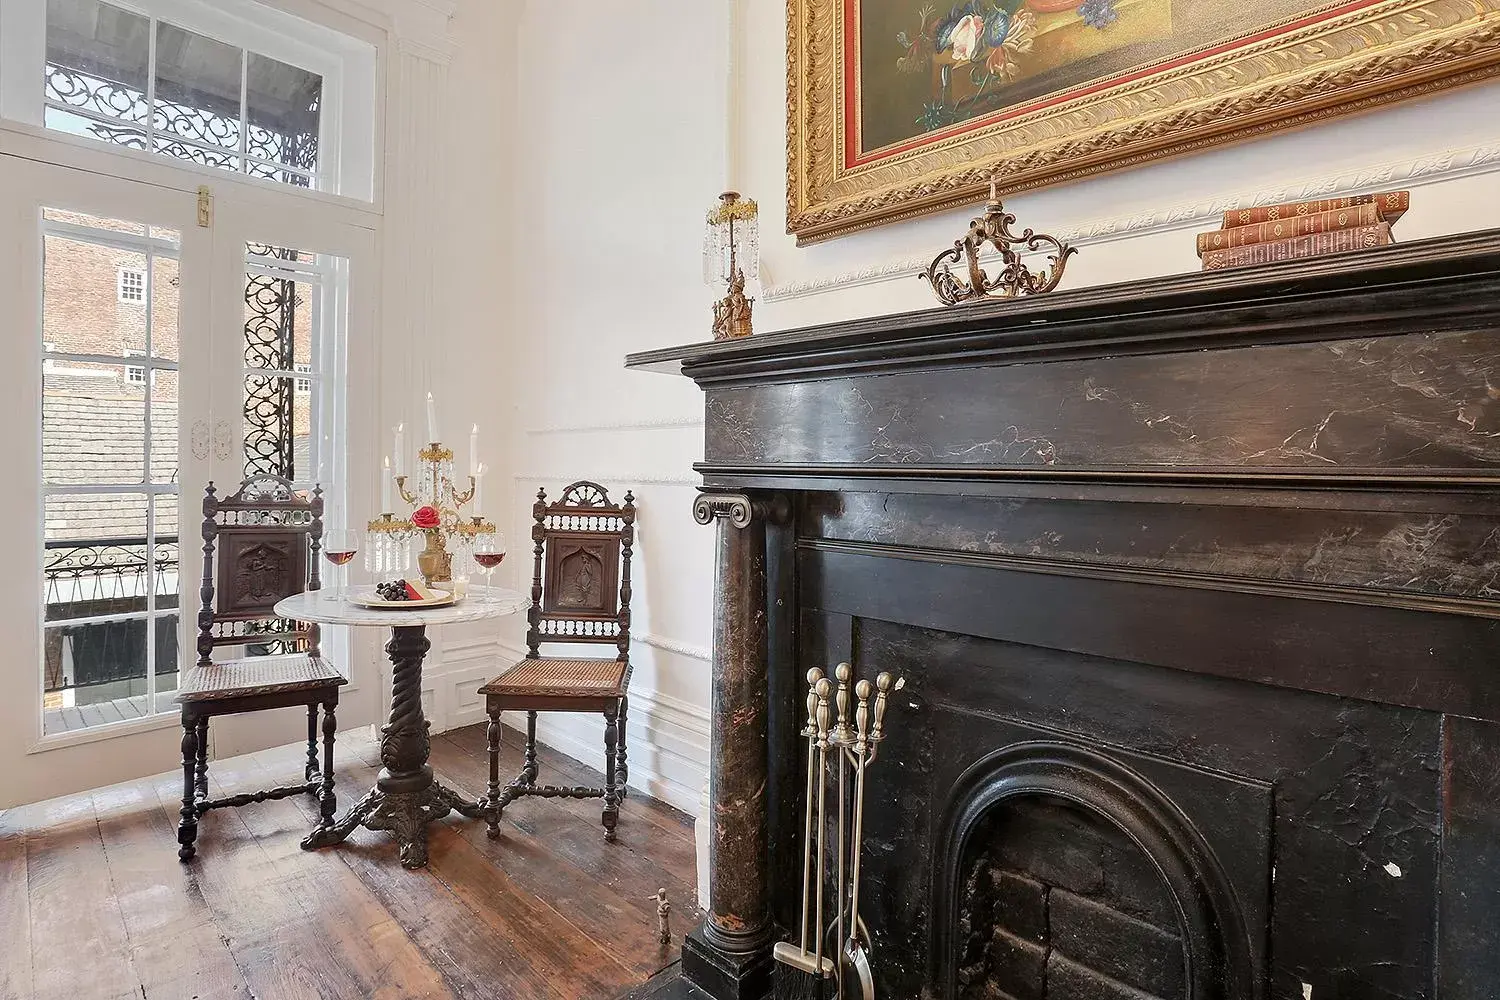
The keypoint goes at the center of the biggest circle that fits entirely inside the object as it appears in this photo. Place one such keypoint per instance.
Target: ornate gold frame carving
(1355, 61)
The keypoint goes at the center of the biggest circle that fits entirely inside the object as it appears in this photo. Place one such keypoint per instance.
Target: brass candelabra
(437, 512)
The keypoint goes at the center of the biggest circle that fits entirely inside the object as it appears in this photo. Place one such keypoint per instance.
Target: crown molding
(621, 478)
(420, 28)
(1417, 171)
(655, 423)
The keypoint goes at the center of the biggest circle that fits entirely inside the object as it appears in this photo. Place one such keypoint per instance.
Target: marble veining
(1419, 401)
(1436, 554)
(481, 603)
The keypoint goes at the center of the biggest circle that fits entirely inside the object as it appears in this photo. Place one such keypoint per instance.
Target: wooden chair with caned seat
(580, 593)
(260, 545)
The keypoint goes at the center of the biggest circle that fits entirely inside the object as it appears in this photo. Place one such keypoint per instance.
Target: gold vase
(435, 561)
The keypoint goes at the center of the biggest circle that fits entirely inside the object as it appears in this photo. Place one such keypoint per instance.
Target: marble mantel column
(728, 956)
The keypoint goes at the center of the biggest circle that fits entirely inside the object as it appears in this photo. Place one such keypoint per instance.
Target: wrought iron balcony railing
(99, 578)
(105, 569)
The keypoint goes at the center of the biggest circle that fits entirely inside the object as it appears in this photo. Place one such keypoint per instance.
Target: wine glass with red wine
(339, 548)
(489, 552)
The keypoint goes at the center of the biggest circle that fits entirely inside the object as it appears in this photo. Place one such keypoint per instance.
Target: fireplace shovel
(855, 979)
(803, 974)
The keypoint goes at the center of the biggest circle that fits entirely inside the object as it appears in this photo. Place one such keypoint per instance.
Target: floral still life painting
(896, 108)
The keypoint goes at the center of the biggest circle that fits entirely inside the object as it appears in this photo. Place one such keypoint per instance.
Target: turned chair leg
(187, 827)
(623, 768)
(328, 803)
(611, 815)
(528, 766)
(202, 758)
(492, 791)
(310, 772)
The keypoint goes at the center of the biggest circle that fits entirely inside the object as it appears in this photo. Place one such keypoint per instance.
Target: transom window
(147, 84)
(240, 86)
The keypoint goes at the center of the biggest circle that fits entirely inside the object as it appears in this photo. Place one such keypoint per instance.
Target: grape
(394, 591)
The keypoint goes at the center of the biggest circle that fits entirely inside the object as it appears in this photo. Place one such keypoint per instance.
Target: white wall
(455, 341)
(618, 150)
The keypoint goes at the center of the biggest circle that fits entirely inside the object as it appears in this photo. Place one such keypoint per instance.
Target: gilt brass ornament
(1015, 278)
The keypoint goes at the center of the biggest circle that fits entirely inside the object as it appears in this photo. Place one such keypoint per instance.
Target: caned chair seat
(258, 675)
(580, 593)
(556, 677)
(260, 545)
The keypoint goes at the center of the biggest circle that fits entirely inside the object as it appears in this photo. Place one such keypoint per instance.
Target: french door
(148, 354)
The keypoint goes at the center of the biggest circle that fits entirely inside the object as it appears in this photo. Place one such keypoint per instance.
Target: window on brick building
(130, 284)
(304, 385)
(134, 375)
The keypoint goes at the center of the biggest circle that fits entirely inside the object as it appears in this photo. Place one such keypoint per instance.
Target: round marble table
(405, 797)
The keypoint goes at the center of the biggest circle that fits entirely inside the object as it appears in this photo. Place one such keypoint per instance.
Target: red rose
(425, 517)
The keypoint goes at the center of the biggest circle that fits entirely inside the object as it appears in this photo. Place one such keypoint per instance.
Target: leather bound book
(1296, 225)
(1298, 247)
(1392, 205)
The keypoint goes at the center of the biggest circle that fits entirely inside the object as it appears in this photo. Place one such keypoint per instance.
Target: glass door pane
(109, 393)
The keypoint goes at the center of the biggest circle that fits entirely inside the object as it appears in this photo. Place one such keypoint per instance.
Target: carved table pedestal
(406, 797)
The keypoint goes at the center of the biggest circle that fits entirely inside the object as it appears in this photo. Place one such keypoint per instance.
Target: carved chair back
(580, 584)
(260, 545)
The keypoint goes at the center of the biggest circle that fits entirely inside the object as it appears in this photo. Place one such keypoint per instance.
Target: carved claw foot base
(404, 814)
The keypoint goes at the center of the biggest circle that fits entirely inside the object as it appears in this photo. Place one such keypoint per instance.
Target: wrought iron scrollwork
(121, 115)
(105, 568)
(270, 343)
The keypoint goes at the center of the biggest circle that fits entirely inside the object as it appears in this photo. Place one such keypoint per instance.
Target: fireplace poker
(800, 976)
(855, 980)
(842, 736)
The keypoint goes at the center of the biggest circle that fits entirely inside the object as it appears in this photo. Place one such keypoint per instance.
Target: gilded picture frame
(1040, 92)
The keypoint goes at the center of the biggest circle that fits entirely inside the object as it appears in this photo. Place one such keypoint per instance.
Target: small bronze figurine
(732, 313)
(663, 917)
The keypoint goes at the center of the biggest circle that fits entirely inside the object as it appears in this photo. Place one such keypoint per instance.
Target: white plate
(367, 598)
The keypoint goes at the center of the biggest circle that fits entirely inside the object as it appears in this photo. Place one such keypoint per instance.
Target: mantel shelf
(1445, 278)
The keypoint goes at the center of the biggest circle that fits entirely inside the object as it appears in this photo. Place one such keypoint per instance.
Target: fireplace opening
(1056, 903)
(1061, 871)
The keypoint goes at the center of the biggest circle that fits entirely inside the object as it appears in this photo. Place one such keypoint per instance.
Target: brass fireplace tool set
(831, 961)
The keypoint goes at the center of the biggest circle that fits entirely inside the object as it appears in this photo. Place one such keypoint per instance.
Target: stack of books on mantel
(1302, 229)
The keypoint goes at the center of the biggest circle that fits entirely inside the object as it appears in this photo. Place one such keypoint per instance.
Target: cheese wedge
(419, 592)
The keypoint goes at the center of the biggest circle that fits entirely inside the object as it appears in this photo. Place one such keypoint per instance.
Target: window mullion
(151, 88)
(244, 111)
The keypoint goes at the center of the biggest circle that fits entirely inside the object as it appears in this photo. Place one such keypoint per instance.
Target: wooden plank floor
(93, 902)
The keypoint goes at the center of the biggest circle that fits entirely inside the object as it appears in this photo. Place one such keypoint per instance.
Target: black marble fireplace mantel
(1195, 583)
